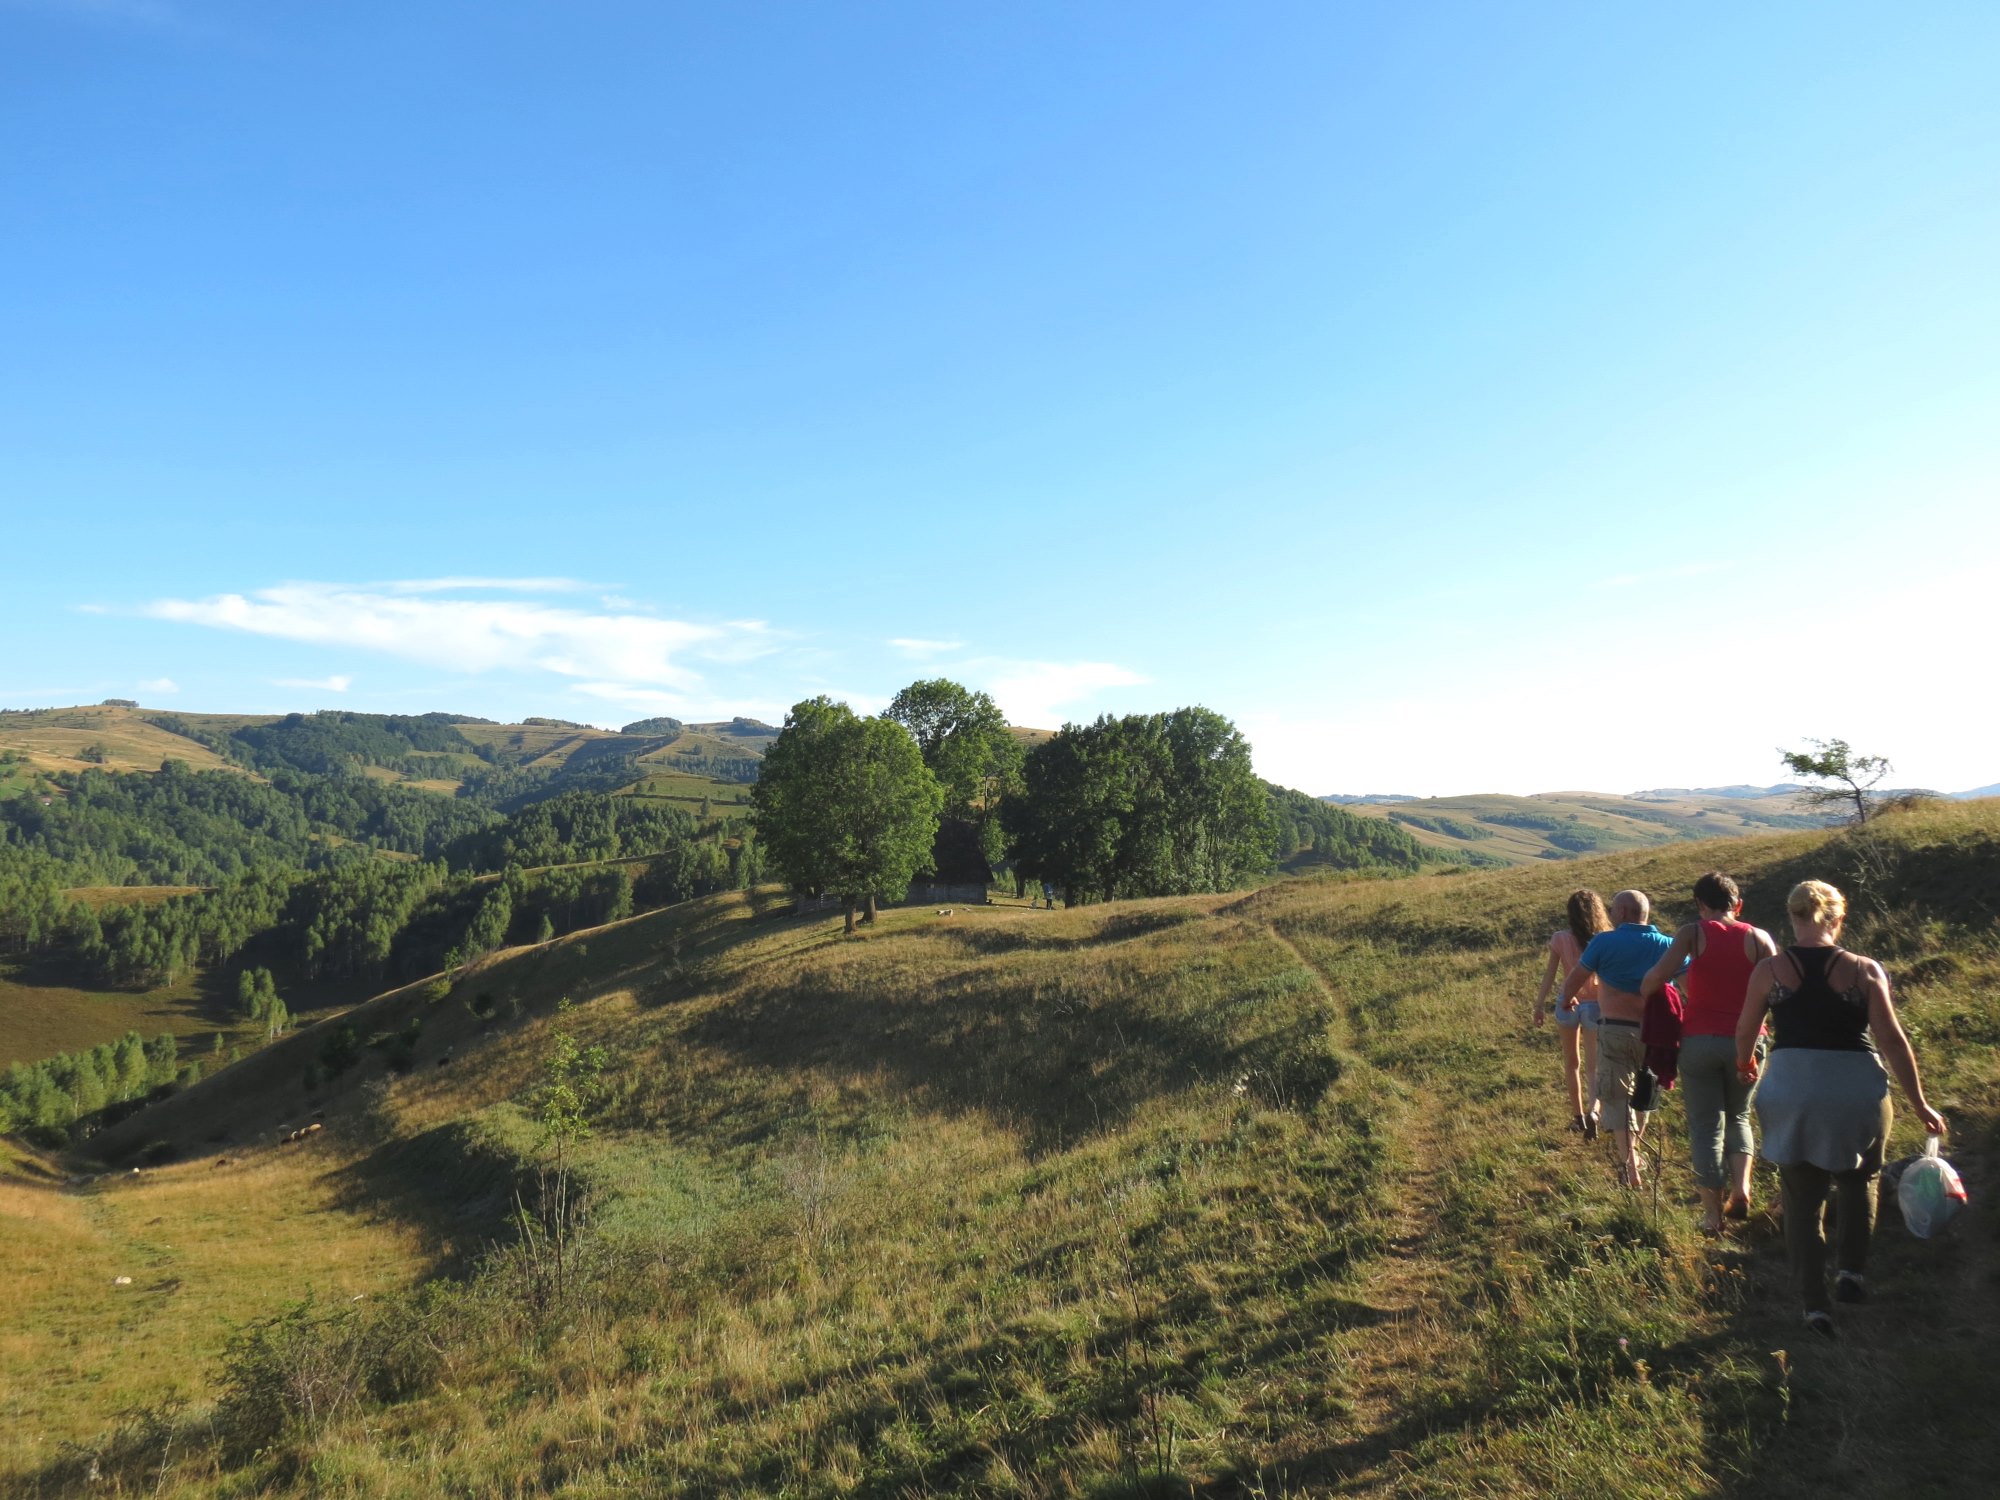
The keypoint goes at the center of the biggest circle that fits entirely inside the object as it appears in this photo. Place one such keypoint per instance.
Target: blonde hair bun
(1816, 901)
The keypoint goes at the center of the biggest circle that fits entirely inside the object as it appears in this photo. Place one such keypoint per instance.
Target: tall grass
(1259, 1194)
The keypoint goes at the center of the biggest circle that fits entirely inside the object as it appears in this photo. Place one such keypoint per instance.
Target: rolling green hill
(1565, 825)
(435, 752)
(1259, 1194)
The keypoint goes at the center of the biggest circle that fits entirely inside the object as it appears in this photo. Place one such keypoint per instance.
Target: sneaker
(1850, 1286)
(1822, 1324)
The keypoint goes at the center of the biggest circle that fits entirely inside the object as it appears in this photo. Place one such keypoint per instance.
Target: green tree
(1840, 776)
(846, 806)
(967, 746)
(1147, 805)
(490, 922)
(572, 1081)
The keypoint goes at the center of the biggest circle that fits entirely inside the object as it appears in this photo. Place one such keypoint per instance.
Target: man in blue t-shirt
(1620, 959)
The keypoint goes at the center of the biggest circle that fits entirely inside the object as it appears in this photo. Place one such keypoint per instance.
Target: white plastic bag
(1930, 1194)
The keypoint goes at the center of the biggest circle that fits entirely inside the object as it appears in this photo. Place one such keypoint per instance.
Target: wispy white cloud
(475, 633)
(917, 648)
(340, 682)
(455, 585)
(159, 685)
(1036, 694)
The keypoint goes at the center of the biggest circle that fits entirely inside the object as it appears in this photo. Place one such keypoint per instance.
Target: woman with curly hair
(1586, 918)
(1824, 1098)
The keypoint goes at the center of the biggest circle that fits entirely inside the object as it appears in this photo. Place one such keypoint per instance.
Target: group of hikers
(1801, 1034)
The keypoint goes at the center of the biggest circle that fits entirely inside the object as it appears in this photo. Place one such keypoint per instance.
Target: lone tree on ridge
(1842, 775)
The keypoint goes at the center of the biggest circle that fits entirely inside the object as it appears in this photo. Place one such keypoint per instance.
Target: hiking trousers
(1805, 1188)
(1717, 1101)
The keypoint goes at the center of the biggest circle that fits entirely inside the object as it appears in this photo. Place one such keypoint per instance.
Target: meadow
(1263, 1193)
(1563, 825)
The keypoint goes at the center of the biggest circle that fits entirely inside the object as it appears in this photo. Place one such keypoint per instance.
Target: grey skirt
(1828, 1108)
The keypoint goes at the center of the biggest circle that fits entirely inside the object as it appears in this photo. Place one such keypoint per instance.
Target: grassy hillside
(1260, 1194)
(55, 740)
(1566, 825)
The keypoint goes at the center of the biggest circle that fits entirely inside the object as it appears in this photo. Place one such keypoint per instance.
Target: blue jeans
(1717, 1101)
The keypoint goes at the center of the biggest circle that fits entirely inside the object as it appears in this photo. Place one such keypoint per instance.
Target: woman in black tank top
(1823, 1100)
(1812, 1012)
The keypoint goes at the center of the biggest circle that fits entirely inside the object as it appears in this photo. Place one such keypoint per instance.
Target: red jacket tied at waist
(1661, 1034)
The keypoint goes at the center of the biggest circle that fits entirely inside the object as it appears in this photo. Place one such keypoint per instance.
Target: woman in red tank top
(1722, 953)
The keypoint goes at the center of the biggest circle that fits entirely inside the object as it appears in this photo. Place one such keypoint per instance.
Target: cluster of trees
(1312, 832)
(156, 943)
(47, 1097)
(337, 743)
(599, 766)
(258, 1003)
(573, 827)
(183, 827)
(1145, 805)
(34, 905)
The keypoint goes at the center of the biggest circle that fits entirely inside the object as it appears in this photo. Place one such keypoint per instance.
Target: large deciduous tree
(845, 805)
(965, 742)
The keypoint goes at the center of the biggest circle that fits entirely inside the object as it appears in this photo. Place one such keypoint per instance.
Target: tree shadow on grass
(454, 1188)
(1021, 1053)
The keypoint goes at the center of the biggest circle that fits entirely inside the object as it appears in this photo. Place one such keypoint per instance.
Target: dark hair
(1717, 892)
(1587, 916)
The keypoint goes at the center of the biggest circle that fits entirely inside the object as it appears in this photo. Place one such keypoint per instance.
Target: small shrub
(340, 1051)
(305, 1365)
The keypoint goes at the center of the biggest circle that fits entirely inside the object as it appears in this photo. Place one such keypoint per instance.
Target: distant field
(1567, 825)
(40, 1020)
(96, 896)
(43, 1013)
(676, 786)
(55, 739)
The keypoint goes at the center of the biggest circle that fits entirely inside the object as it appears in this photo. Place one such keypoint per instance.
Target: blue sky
(1461, 398)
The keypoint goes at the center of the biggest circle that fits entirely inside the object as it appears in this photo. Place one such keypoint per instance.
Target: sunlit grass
(1258, 1194)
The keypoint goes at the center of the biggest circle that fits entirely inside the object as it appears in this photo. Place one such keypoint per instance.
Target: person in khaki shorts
(1619, 960)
